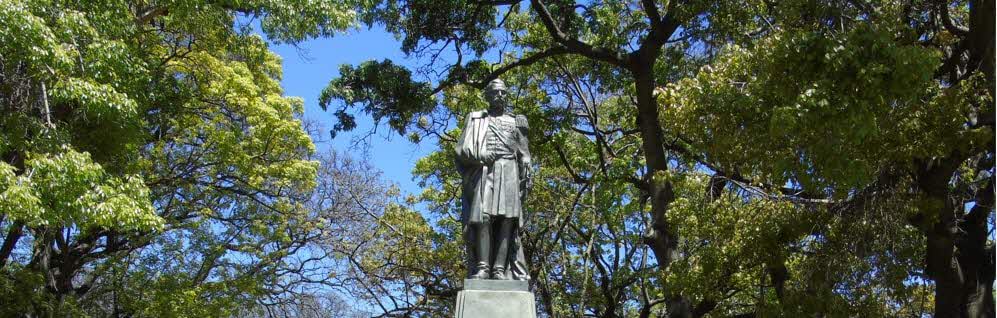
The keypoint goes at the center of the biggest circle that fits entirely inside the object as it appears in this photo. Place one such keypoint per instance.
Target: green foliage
(796, 137)
(70, 188)
(150, 164)
(294, 20)
(827, 111)
(840, 267)
(382, 89)
(436, 21)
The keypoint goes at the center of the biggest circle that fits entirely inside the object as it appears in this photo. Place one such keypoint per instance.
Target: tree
(151, 165)
(841, 128)
(925, 139)
(386, 257)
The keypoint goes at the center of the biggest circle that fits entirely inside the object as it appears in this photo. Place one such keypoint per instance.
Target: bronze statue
(493, 157)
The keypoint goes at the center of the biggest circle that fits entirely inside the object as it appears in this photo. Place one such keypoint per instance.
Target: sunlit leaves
(157, 131)
(69, 188)
(728, 241)
(18, 199)
(827, 111)
(465, 22)
(26, 36)
(294, 20)
(97, 101)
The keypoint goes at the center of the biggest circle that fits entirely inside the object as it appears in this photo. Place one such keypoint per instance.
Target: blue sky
(308, 68)
(310, 65)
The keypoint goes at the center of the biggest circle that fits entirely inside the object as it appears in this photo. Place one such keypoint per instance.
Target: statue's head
(495, 94)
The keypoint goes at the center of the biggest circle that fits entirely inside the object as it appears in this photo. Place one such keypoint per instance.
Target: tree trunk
(660, 237)
(962, 266)
(943, 268)
(958, 258)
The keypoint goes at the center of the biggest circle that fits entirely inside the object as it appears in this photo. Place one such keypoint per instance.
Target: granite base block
(495, 299)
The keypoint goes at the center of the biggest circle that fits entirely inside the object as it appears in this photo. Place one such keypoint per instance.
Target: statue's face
(497, 100)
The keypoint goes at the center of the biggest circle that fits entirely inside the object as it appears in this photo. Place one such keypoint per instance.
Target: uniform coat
(491, 156)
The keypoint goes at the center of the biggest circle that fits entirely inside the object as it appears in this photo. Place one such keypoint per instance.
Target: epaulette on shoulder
(478, 114)
(521, 122)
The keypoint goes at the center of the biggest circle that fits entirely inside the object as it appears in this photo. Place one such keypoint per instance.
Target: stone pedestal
(495, 299)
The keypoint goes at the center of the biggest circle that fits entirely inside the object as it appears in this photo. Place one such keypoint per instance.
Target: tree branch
(13, 235)
(564, 160)
(574, 45)
(661, 30)
(651, 9)
(943, 9)
(526, 61)
(149, 14)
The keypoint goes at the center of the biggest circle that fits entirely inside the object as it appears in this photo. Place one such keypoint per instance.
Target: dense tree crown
(711, 158)
(151, 165)
(695, 158)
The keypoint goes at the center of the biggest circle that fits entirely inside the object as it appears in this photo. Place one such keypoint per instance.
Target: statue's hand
(482, 159)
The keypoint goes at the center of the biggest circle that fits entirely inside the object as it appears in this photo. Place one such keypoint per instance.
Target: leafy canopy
(150, 164)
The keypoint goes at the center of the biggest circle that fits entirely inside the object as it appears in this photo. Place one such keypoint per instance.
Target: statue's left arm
(525, 159)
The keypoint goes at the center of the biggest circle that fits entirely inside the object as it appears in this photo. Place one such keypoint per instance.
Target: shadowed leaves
(382, 90)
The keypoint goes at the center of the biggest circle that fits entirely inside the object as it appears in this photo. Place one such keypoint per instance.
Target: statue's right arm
(462, 156)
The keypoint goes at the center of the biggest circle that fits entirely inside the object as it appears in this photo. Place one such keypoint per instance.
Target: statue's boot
(498, 272)
(481, 272)
(482, 242)
(518, 266)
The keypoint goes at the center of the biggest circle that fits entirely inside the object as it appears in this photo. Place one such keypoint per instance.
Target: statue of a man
(493, 157)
